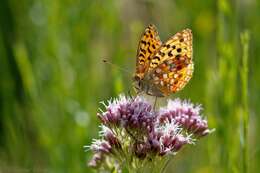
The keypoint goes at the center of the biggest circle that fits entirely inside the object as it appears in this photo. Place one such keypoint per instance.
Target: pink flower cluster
(130, 127)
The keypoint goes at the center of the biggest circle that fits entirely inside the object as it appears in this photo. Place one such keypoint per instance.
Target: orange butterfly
(162, 69)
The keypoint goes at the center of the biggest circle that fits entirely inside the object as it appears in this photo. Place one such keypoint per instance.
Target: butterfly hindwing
(172, 75)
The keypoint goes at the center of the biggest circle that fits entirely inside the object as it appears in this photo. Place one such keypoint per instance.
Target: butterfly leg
(130, 95)
(155, 101)
(139, 92)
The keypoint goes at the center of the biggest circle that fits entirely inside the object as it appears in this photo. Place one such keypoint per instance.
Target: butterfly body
(162, 69)
(148, 87)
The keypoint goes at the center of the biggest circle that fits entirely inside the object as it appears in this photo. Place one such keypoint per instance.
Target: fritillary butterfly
(162, 69)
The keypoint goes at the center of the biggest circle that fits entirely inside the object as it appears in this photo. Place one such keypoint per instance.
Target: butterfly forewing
(148, 45)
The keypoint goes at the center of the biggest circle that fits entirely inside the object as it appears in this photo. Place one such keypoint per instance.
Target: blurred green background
(52, 78)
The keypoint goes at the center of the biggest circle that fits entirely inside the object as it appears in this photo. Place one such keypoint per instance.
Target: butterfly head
(138, 84)
(143, 84)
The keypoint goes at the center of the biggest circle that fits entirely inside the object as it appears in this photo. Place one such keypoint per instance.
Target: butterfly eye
(137, 78)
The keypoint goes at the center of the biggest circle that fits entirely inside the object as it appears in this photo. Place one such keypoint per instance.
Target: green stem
(166, 164)
(244, 81)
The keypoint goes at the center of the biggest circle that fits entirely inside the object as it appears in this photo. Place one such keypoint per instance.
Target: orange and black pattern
(150, 42)
(167, 67)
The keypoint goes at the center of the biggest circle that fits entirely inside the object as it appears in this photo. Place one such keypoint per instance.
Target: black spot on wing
(141, 61)
(149, 50)
(143, 42)
(156, 57)
(161, 53)
(154, 63)
(141, 55)
(142, 50)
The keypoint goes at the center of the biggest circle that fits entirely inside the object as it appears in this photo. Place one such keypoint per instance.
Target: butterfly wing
(148, 45)
(171, 67)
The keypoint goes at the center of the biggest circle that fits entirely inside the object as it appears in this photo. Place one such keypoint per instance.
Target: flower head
(168, 138)
(186, 115)
(132, 131)
(129, 113)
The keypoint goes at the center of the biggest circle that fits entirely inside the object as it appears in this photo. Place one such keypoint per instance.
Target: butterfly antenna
(116, 66)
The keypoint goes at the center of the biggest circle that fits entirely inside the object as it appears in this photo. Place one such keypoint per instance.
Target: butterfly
(163, 68)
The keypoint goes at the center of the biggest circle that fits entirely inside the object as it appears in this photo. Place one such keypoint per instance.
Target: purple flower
(101, 146)
(110, 137)
(131, 130)
(168, 138)
(96, 160)
(133, 114)
(101, 149)
(186, 115)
